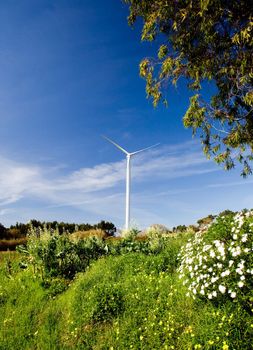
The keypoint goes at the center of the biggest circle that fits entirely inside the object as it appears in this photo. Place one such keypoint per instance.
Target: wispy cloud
(231, 184)
(18, 181)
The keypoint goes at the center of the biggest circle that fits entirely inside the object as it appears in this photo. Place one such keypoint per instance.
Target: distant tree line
(20, 230)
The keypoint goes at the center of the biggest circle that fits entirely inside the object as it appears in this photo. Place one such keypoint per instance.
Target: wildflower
(244, 237)
(233, 295)
(239, 271)
(240, 284)
(225, 346)
(214, 279)
(225, 273)
(222, 289)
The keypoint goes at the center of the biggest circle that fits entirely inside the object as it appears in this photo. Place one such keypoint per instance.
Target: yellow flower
(225, 346)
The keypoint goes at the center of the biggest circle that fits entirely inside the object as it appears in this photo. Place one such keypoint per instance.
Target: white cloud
(19, 181)
(100, 189)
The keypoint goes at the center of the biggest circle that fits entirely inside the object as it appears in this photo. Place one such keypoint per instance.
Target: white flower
(214, 293)
(230, 263)
(235, 236)
(222, 289)
(210, 296)
(244, 237)
(242, 278)
(233, 295)
(225, 273)
(214, 279)
(221, 250)
(206, 247)
(240, 284)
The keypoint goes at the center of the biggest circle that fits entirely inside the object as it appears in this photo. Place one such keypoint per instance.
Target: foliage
(156, 230)
(203, 41)
(2, 231)
(124, 300)
(20, 230)
(207, 220)
(219, 265)
(180, 228)
(54, 255)
(89, 233)
(11, 244)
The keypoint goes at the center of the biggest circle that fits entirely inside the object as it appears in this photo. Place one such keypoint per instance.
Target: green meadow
(160, 292)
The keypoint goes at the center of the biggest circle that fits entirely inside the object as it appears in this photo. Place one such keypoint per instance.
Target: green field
(128, 300)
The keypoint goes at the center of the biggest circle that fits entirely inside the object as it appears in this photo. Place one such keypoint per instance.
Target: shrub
(219, 265)
(11, 244)
(55, 255)
(89, 233)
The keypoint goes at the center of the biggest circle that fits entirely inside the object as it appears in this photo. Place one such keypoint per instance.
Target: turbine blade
(116, 145)
(144, 149)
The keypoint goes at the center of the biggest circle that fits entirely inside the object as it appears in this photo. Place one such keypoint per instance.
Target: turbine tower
(128, 175)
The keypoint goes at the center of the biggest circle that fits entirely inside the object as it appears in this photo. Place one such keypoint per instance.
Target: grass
(131, 301)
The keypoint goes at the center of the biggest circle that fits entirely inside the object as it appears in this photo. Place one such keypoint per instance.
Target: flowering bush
(214, 268)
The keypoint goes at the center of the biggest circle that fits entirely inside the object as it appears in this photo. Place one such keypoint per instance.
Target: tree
(205, 40)
(107, 227)
(3, 231)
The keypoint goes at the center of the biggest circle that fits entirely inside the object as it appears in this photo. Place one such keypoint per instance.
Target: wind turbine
(128, 175)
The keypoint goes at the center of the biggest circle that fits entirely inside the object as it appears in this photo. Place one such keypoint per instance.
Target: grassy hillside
(130, 298)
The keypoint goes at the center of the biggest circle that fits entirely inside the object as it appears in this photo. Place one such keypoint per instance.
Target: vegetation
(204, 41)
(17, 234)
(130, 293)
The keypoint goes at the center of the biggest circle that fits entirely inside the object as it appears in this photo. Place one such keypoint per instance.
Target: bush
(89, 233)
(11, 244)
(219, 265)
(55, 255)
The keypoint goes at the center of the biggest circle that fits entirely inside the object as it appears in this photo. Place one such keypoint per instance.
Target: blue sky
(69, 73)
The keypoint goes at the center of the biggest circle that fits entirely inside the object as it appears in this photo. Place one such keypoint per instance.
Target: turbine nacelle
(124, 151)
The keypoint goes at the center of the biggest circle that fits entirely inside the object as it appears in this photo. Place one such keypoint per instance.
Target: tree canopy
(204, 40)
